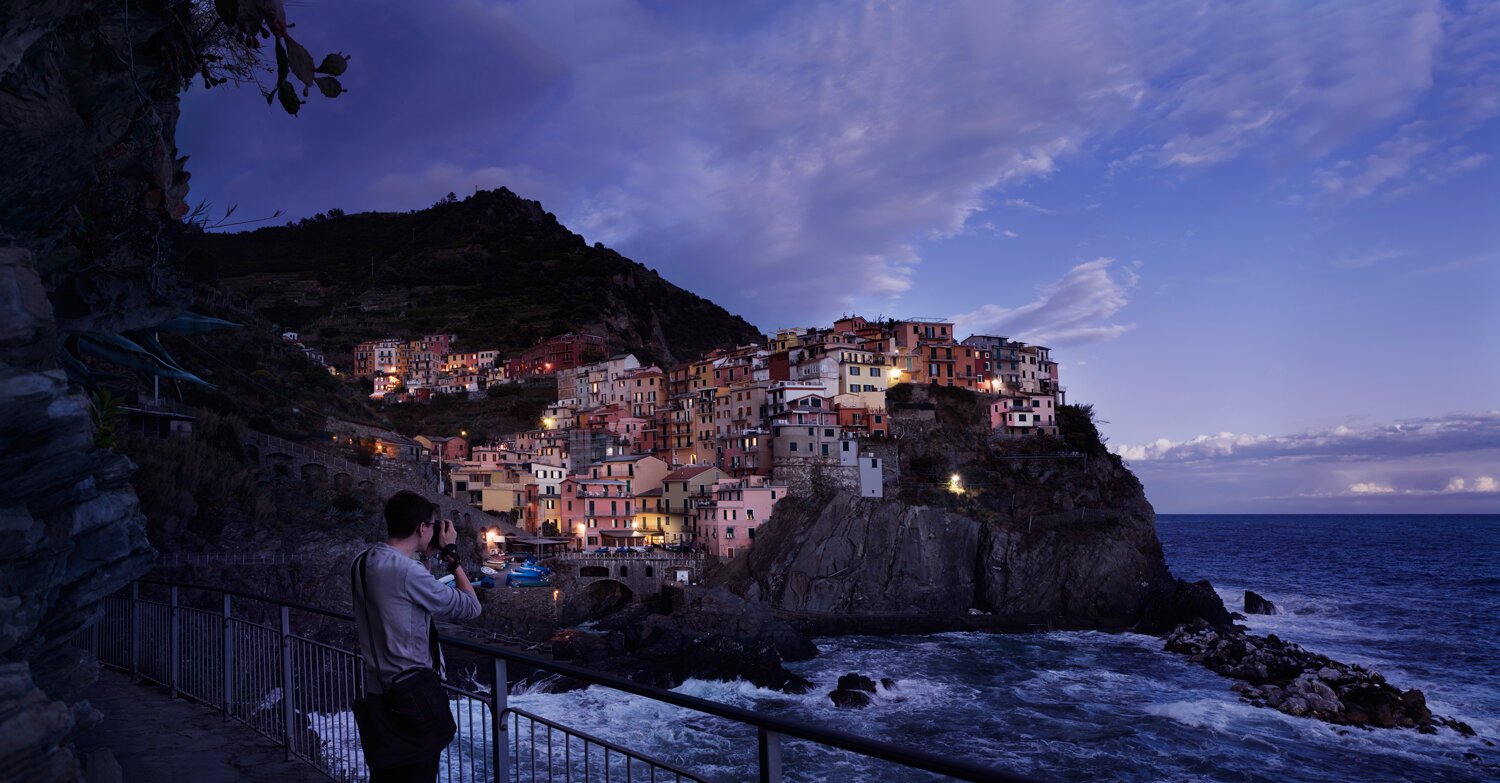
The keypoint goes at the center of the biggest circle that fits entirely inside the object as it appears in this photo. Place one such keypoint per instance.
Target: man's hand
(448, 533)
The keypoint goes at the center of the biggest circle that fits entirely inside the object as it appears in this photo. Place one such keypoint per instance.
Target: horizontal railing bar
(586, 737)
(248, 623)
(479, 697)
(906, 756)
(324, 645)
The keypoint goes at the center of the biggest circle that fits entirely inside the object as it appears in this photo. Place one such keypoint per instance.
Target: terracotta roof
(687, 472)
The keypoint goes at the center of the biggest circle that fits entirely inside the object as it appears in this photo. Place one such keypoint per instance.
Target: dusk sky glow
(1263, 239)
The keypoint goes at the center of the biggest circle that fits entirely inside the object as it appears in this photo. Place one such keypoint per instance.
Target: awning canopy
(514, 540)
(622, 533)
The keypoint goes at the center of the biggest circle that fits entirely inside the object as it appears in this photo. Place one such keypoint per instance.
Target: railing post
(176, 634)
(135, 628)
(228, 658)
(499, 703)
(286, 678)
(770, 755)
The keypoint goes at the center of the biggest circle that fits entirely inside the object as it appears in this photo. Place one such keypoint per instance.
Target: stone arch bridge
(642, 574)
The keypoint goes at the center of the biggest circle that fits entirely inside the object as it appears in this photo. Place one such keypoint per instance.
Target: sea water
(1415, 597)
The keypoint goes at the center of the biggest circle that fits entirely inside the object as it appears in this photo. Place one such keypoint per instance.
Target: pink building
(449, 448)
(726, 524)
(598, 512)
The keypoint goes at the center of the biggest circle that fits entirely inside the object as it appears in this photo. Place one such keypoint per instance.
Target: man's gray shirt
(403, 599)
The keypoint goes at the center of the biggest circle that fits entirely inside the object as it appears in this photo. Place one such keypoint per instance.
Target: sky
(1262, 239)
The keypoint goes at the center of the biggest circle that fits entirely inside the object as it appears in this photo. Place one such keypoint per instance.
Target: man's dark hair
(405, 512)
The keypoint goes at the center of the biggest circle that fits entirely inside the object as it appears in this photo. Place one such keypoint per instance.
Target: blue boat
(516, 580)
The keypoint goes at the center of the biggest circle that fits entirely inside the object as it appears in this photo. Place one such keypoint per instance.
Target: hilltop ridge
(495, 269)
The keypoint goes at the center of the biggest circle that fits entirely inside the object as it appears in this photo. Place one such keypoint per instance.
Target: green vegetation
(502, 409)
(494, 269)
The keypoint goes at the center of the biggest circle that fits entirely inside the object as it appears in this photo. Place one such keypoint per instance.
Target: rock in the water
(849, 699)
(853, 681)
(1255, 604)
(1174, 602)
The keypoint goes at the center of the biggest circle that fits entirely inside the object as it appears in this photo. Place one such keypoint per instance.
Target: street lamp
(955, 484)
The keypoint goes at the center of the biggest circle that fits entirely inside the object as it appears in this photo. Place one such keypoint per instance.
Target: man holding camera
(397, 601)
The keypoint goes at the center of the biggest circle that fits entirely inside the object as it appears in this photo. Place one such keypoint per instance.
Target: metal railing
(298, 692)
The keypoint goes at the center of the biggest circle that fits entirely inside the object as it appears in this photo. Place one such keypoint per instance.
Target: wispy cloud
(1076, 309)
(1021, 203)
(1365, 260)
(1432, 464)
(1456, 433)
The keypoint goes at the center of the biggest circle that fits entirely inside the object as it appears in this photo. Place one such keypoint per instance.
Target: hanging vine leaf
(301, 62)
(281, 63)
(288, 96)
(229, 12)
(334, 64)
(329, 86)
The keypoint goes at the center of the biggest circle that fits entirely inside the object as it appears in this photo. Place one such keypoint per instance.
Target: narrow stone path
(157, 738)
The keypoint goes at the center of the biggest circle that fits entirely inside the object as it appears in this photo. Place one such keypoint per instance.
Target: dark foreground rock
(1173, 602)
(1283, 676)
(1255, 604)
(692, 633)
(855, 690)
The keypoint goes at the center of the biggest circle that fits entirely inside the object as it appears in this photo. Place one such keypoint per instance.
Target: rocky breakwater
(1051, 532)
(1283, 676)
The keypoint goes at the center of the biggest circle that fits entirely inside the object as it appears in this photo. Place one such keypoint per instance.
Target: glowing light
(549, 423)
(895, 373)
(956, 484)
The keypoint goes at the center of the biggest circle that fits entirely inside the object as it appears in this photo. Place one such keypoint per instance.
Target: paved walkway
(155, 738)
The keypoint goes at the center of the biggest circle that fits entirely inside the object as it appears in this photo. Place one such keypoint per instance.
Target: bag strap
(359, 572)
(434, 651)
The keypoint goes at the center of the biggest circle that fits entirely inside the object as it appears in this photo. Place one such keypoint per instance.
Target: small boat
(514, 580)
(487, 571)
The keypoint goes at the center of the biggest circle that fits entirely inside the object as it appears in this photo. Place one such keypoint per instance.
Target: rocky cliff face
(848, 555)
(90, 183)
(1044, 531)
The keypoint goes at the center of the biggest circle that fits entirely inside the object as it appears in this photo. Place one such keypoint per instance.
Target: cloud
(1008, 234)
(1074, 310)
(1370, 488)
(1439, 463)
(1481, 484)
(1021, 203)
(1455, 433)
(789, 159)
(807, 157)
(1280, 77)
(1365, 260)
